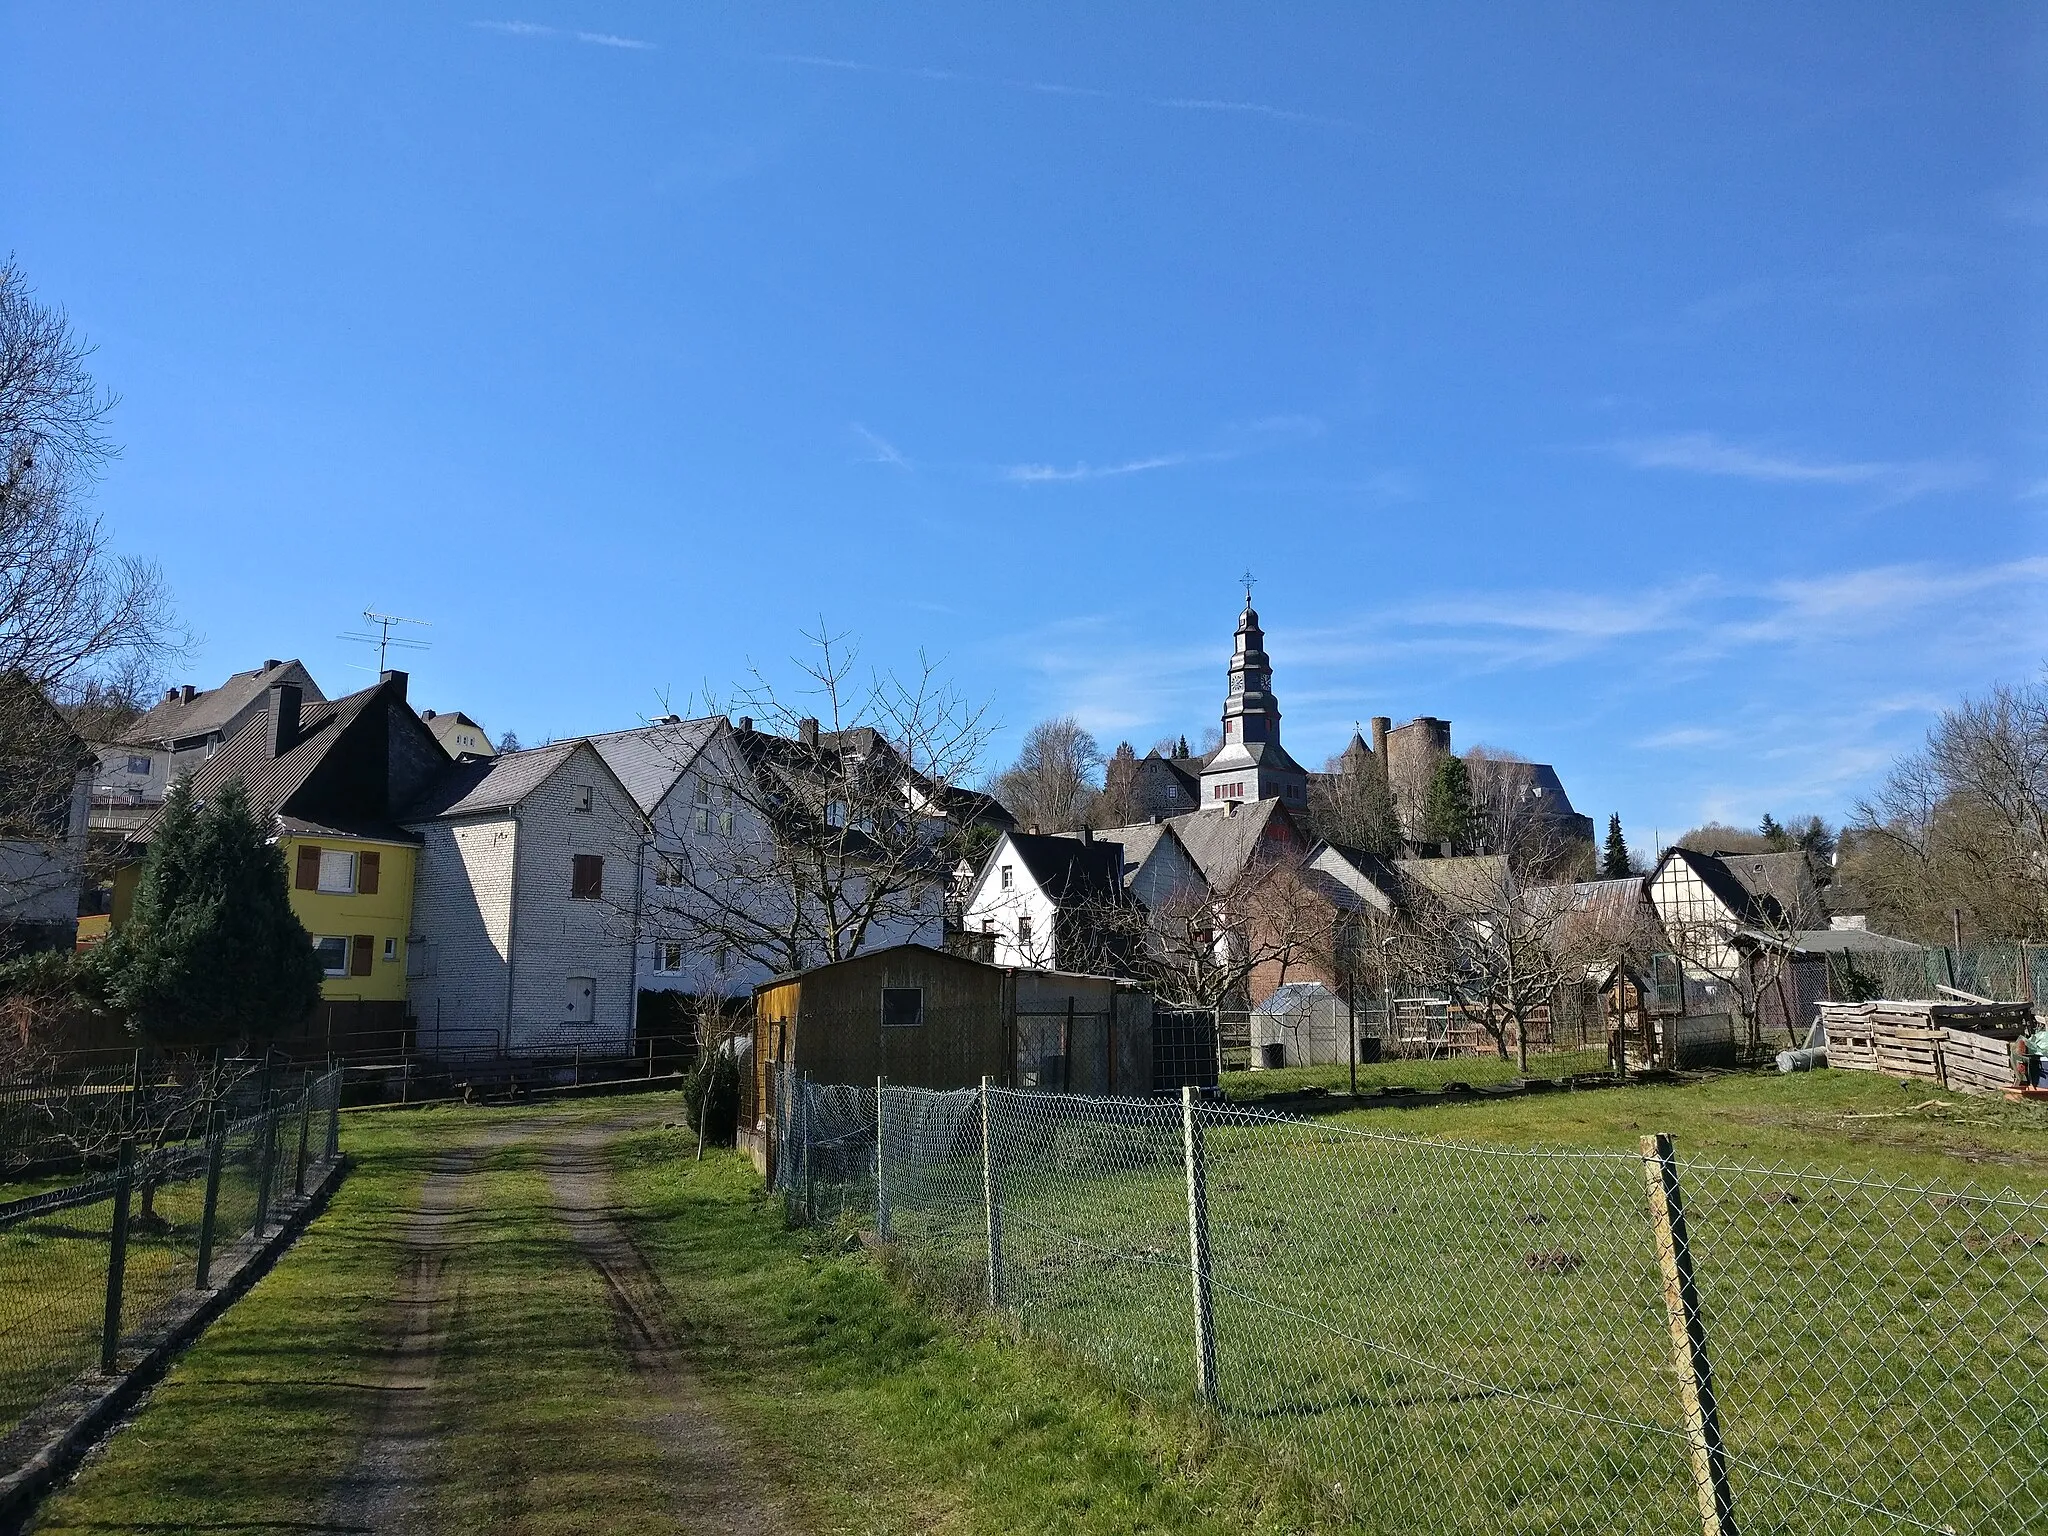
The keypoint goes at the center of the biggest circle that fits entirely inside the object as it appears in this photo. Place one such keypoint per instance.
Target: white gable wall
(992, 909)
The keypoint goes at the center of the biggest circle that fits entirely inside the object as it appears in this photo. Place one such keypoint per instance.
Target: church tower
(1251, 764)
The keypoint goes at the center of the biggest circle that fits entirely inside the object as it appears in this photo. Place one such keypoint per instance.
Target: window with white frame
(1009, 877)
(337, 872)
(333, 952)
(668, 957)
(700, 820)
(391, 949)
(1024, 933)
(668, 870)
(138, 764)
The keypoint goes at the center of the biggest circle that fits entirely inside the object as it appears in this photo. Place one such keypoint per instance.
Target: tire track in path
(714, 1487)
(389, 1480)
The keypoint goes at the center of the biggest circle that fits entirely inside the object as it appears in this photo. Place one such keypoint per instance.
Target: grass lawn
(1474, 1071)
(1409, 1335)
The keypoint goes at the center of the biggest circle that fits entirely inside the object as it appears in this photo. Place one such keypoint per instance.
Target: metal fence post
(305, 1134)
(333, 1112)
(216, 1150)
(991, 1195)
(117, 1255)
(881, 1140)
(266, 1161)
(1688, 1340)
(1198, 1246)
(803, 1088)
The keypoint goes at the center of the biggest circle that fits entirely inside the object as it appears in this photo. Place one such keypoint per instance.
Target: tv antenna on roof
(384, 640)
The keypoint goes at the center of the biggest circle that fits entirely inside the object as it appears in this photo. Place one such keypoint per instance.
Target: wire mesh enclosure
(1461, 1338)
(87, 1265)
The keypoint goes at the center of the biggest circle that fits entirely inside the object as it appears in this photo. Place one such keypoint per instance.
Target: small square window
(391, 949)
(668, 870)
(579, 797)
(668, 957)
(337, 872)
(902, 1007)
(333, 953)
(138, 765)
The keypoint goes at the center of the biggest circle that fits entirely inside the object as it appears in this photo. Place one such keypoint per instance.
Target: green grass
(1478, 1330)
(1473, 1071)
(249, 1428)
(888, 1413)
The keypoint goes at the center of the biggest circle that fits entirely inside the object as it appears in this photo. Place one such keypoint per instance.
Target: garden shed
(926, 1018)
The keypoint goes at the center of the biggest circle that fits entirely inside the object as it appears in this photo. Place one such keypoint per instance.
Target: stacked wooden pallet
(1967, 1046)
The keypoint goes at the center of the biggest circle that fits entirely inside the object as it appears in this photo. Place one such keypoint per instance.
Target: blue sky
(1656, 391)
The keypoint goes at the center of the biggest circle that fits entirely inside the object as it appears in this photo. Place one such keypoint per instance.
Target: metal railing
(86, 1265)
(1460, 1338)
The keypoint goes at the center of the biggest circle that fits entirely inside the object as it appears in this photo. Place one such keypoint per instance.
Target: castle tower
(1251, 764)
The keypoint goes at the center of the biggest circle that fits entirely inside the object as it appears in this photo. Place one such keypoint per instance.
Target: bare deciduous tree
(828, 821)
(1962, 825)
(1055, 779)
(74, 616)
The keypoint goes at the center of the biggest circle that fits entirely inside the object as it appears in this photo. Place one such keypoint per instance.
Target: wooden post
(216, 1150)
(881, 1141)
(1196, 1155)
(991, 1195)
(1688, 1340)
(117, 1255)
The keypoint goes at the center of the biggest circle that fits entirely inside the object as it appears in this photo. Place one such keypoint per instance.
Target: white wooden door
(581, 1007)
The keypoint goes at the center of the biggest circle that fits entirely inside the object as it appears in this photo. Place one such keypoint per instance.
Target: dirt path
(714, 1488)
(387, 1485)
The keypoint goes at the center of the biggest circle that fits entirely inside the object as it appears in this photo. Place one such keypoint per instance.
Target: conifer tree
(1183, 748)
(1614, 860)
(1448, 813)
(213, 954)
(1773, 833)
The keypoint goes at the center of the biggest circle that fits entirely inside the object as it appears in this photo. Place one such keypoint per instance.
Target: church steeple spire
(1251, 764)
(1250, 712)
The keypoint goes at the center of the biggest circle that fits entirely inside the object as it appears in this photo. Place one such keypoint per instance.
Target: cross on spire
(1249, 581)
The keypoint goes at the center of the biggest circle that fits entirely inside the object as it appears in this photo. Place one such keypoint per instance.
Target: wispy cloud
(1238, 440)
(1040, 474)
(568, 34)
(1056, 88)
(1705, 453)
(881, 450)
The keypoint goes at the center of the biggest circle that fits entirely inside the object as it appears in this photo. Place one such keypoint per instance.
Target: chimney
(1381, 724)
(170, 695)
(187, 694)
(397, 681)
(272, 663)
(1087, 834)
(284, 717)
(1157, 818)
(807, 731)
(746, 722)
(426, 714)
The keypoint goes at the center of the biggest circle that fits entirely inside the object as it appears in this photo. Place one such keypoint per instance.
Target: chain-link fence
(1474, 1338)
(86, 1265)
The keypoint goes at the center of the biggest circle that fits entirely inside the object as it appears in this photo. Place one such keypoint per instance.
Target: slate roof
(1765, 890)
(489, 784)
(1069, 870)
(172, 719)
(648, 760)
(1360, 868)
(274, 783)
(1467, 878)
(1223, 842)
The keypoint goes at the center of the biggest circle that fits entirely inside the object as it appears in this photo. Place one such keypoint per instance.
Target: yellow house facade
(355, 897)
